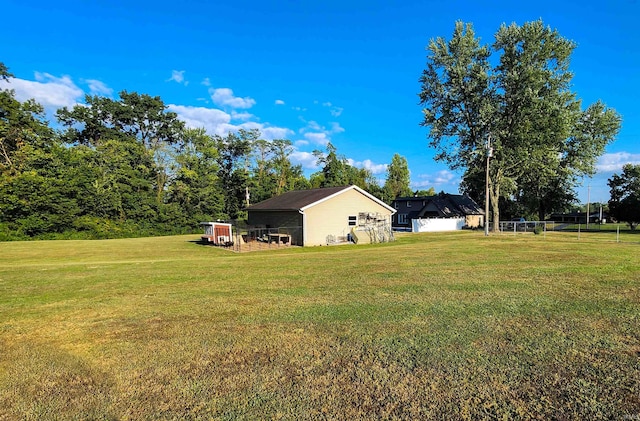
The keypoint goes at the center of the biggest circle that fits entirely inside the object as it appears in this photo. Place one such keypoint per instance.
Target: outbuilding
(217, 233)
(324, 216)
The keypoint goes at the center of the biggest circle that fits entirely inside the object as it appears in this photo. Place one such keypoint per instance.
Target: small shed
(217, 233)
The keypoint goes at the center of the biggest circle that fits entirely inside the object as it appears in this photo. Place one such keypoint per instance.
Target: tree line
(128, 167)
(503, 113)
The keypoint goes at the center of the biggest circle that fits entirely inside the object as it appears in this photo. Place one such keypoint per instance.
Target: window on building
(352, 220)
(402, 218)
(408, 203)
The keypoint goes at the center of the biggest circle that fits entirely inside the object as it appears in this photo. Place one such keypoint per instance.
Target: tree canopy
(127, 166)
(624, 204)
(398, 179)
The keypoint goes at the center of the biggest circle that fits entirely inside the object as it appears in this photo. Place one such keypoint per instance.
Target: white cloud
(445, 177)
(313, 125)
(279, 102)
(213, 120)
(178, 77)
(218, 122)
(206, 82)
(225, 97)
(336, 128)
(267, 132)
(336, 111)
(97, 87)
(369, 165)
(49, 91)
(442, 178)
(317, 138)
(306, 159)
(241, 116)
(270, 133)
(612, 162)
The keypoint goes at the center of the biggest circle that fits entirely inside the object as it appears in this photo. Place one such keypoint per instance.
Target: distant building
(442, 212)
(580, 217)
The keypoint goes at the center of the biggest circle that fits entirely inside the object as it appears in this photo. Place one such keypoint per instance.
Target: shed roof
(299, 200)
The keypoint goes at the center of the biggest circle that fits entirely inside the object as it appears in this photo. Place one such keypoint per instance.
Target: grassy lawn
(433, 326)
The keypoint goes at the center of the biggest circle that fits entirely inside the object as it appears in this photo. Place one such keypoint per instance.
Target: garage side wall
(331, 217)
(278, 219)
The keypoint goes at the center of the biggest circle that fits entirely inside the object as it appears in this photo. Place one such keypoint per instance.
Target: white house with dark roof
(442, 212)
(326, 215)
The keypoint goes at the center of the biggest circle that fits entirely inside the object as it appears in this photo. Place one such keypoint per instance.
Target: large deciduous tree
(134, 117)
(21, 124)
(233, 170)
(624, 204)
(272, 172)
(398, 179)
(195, 190)
(540, 137)
(337, 171)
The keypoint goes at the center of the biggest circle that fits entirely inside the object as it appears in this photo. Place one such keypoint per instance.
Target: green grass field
(433, 326)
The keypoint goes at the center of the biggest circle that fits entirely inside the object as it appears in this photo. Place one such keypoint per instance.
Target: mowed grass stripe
(451, 325)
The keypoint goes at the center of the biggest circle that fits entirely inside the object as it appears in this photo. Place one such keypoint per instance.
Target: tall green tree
(336, 171)
(263, 182)
(398, 179)
(624, 204)
(133, 116)
(36, 195)
(523, 106)
(273, 173)
(195, 190)
(233, 159)
(287, 176)
(40, 197)
(21, 124)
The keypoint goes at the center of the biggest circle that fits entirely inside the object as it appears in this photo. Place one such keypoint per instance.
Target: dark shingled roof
(445, 205)
(295, 200)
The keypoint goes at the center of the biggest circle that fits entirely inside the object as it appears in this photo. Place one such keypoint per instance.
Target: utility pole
(486, 188)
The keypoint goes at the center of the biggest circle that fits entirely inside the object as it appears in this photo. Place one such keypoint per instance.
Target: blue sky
(312, 72)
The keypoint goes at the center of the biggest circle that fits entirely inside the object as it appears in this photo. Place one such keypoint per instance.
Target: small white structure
(217, 233)
(437, 224)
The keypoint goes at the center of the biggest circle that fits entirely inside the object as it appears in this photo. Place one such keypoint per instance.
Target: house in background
(442, 212)
(324, 216)
(595, 217)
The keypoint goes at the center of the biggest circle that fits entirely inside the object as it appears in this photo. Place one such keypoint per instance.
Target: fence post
(579, 231)
(618, 234)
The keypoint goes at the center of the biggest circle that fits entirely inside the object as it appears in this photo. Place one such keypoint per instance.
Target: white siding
(437, 224)
(331, 217)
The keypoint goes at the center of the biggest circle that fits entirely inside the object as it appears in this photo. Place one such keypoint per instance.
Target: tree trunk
(495, 209)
